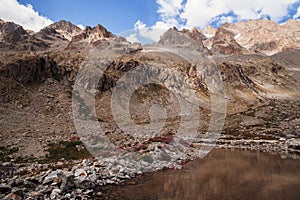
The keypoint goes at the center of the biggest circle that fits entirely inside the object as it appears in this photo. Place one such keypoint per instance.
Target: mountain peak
(224, 43)
(209, 31)
(65, 28)
(182, 39)
(11, 32)
(92, 35)
(63, 24)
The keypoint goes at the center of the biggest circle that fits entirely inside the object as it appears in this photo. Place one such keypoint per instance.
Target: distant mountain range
(253, 36)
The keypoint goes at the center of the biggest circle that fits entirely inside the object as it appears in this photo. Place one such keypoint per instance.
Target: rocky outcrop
(196, 34)
(48, 34)
(14, 37)
(11, 32)
(224, 43)
(92, 35)
(191, 40)
(31, 70)
(65, 29)
(61, 30)
(262, 36)
(209, 31)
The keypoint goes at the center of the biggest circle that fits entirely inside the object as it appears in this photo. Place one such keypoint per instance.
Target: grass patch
(68, 150)
(155, 87)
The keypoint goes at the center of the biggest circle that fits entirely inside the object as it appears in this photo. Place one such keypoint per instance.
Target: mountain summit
(261, 36)
(65, 28)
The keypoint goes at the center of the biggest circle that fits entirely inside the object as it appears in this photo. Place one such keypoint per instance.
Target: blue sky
(115, 15)
(146, 19)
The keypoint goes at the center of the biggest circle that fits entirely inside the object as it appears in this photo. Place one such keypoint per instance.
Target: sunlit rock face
(260, 36)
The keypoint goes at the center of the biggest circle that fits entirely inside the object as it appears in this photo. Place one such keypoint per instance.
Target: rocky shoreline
(90, 178)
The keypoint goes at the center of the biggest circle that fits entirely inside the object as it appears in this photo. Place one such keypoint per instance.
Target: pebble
(6, 164)
(80, 173)
(50, 177)
(55, 193)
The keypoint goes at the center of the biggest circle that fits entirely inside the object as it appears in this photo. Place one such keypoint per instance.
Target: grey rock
(78, 191)
(87, 184)
(98, 193)
(88, 192)
(35, 195)
(50, 177)
(68, 196)
(67, 182)
(290, 136)
(46, 190)
(105, 173)
(93, 177)
(31, 183)
(55, 193)
(80, 173)
(175, 38)
(6, 164)
(110, 181)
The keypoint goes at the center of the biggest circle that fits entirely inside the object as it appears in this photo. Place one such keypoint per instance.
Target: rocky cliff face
(253, 36)
(261, 36)
(31, 69)
(14, 38)
(189, 39)
(11, 32)
(67, 31)
(92, 35)
(224, 43)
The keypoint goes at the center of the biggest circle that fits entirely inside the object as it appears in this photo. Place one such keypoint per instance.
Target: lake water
(222, 174)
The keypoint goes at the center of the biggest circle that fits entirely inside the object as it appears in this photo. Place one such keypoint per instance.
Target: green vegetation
(68, 150)
(155, 87)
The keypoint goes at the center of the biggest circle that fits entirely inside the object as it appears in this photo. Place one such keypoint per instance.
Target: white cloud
(200, 13)
(132, 38)
(154, 32)
(297, 14)
(169, 10)
(26, 16)
(223, 19)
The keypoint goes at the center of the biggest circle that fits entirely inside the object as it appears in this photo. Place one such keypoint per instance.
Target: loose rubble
(85, 179)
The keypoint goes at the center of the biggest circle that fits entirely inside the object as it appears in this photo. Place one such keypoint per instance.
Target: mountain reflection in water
(223, 174)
